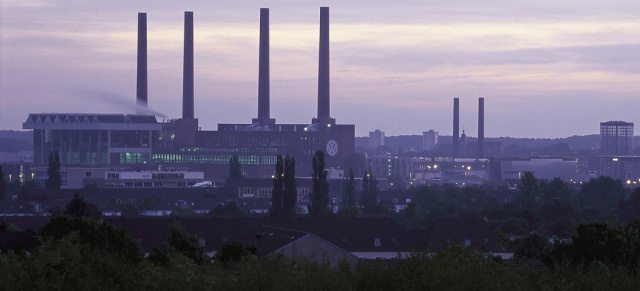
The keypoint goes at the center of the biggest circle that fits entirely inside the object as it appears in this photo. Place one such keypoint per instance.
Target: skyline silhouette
(545, 69)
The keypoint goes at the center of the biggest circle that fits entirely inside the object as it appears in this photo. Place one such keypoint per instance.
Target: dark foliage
(234, 252)
(180, 242)
(235, 169)
(54, 181)
(78, 207)
(97, 235)
(319, 197)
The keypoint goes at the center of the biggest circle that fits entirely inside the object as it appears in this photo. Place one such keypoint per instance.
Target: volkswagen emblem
(332, 148)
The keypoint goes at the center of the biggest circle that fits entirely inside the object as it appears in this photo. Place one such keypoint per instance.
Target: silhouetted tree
(530, 192)
(600, 243)
(349, 193)
(629, 210)
(290, 197)
(231, 208)
(369, 195)
(94, 234)
(78, 207)
(532, 245)
(234, 252)
(348, 207)
(603, 192)
(557, 190)
(181, 242)
(235, 169)
(319, 197)
(54, 181)
(277, 208)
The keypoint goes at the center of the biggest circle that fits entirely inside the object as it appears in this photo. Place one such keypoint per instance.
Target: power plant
(126, 140)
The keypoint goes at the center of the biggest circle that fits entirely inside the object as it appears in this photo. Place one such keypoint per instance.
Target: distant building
(429, 140)
(616, 138)
(542, 168)
(376, 138)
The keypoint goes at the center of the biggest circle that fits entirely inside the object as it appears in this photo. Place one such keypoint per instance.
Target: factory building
(121, 139)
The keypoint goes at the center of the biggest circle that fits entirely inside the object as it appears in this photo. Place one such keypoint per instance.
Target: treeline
(84, 254)
(550, 208)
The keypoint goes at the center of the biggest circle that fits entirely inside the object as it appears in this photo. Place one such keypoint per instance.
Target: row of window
(212, 159)
(267, 192)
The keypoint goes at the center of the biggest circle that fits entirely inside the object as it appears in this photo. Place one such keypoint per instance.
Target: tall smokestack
(456, 125)
(480, 127)
(141, 87)
(187, 77)
(263, 70)
(323, 67)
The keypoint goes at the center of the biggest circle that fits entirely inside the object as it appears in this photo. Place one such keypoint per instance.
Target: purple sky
(546, 68)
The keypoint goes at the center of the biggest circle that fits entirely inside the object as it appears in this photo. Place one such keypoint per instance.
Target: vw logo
(332, 148)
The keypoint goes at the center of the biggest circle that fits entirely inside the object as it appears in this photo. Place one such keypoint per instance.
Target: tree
(78, 207)
(601, 243)
(229, 209)
(630, 209)
(3, 184)
(290, 197)
(369, 196)
(277, 208)
(604, 192)
(348, 207)
(235, 169)
(234, 252)
(530, 192)
(557, 190)
(319, 197)
(532, 245)
(54, 181)
(181, 242)
(97, 235)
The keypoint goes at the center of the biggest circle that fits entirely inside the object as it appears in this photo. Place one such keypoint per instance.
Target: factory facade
(140, 142)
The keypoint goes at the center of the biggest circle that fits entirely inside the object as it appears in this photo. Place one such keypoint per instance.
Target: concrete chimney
(263, 69)
(323, 67)
(187, 77)
(456, 125)
(264, 115)
(480, 127)
(141, 86)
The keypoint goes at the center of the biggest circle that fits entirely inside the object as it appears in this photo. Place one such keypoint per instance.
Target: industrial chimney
(141, 87)
(456, 125)
(187, 77)
(323, 67)
(264, 115)
(480, 127)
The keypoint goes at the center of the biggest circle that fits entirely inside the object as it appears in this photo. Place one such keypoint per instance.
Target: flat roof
(91, 121)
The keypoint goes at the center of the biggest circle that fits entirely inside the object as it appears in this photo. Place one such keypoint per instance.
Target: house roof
(476, 231)
(268, 239)
(353, 235)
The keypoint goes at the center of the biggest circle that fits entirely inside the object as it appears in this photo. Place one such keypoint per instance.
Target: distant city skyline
(546, 69)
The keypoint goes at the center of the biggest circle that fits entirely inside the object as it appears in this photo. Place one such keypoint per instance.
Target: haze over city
(546, 69)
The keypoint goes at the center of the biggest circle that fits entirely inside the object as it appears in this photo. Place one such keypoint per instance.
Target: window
(376, 242)
(247, 192)
(467, 242)
(87, 174)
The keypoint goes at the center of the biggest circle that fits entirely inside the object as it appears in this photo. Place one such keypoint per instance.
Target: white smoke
(119, 102)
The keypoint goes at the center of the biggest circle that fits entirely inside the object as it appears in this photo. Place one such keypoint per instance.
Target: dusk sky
(546, 68)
